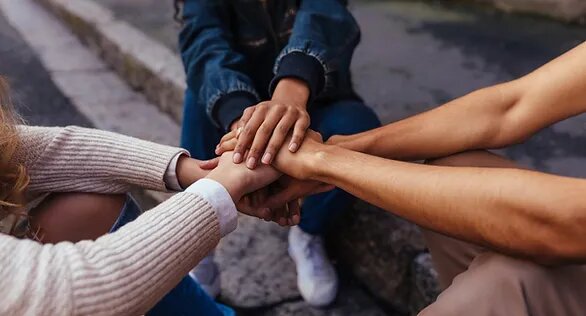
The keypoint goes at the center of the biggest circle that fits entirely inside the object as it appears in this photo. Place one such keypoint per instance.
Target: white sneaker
(316, 277)
(207, 274)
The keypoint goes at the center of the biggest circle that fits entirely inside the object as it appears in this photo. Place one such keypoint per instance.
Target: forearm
(519, 212)
(215, 71)
(123, 273)
(493, 117)
(76, 159)
(475, 121)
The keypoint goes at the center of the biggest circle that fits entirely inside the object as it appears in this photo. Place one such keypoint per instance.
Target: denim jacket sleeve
(215, 71)
(323, 38)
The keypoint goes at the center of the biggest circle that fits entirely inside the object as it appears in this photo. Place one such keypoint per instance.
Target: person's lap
(479, 281)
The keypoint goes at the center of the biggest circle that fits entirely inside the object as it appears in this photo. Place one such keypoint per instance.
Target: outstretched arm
(493, 117)
(519, 212)
(128, 271)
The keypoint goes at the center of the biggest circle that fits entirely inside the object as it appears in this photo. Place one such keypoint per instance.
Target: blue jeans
(343, 117)
(187, 298)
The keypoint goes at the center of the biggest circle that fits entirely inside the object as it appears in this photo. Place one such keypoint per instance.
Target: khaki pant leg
(496, 285)
(450, 256)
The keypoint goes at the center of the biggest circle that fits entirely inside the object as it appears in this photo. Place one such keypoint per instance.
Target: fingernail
(217, 150)
(266, 158)
(293, 147)
(237, 158)
(251, 163)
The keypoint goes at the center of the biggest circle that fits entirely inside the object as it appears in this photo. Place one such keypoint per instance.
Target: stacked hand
(248, 188)
(269, 133)
(297, 182)
(263, 128)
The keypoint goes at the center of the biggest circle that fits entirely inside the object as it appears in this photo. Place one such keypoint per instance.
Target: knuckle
(282, 129)
(248, 110)
(247, 131)
(264, 130)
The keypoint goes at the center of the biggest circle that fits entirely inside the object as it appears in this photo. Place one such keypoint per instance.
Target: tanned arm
(518, 212)
(489, 118)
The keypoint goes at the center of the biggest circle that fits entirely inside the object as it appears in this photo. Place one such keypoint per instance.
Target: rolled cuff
(219, 198)
(303, 67)
(230, 107)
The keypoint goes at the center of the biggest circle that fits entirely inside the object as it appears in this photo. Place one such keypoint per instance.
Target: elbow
(562, 240)
(506, 115)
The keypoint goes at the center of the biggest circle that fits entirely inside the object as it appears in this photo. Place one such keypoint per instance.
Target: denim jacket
(236, 51)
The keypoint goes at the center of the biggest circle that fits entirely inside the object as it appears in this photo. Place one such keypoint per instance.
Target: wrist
(234, 185)
(317, 161)
(351, 142)
(292, 90)
(188, 171)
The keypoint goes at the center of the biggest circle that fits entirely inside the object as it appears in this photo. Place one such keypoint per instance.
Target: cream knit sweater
(123, 273)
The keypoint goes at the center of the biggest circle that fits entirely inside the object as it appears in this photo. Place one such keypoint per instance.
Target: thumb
(209, 164)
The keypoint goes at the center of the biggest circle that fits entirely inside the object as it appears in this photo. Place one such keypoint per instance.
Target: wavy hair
(13, 176)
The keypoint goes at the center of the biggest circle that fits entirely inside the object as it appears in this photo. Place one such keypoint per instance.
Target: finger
(280, 198)
(248, 133)
(278, 138)
(209, 164)
(246, 115)
(264, 133)
(294, 212)
(226, 146)
(244, 204)
(299, 130)
(284, 216)
(228, 136)
(288, 192)
(322, 188)
(276, 213)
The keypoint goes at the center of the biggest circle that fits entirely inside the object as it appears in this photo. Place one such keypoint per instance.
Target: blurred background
(113, 64)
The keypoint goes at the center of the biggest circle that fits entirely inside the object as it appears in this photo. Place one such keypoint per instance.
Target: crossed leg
(478, 281)
(76, 216)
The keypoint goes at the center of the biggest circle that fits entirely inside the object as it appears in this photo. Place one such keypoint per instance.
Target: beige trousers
(479, 282)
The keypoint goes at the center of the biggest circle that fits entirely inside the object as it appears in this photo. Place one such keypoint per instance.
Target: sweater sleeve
(75, 159)
(123, 273)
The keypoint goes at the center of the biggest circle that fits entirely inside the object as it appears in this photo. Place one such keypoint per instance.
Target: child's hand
(263, 128)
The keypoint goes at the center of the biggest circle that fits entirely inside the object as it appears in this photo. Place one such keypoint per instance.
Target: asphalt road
(35, 96)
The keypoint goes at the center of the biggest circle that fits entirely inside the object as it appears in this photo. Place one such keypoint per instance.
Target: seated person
(295, 57)
(504, 240)
(131, 270)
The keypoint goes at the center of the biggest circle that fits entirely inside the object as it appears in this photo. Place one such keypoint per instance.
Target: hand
(298, 165)
(291, 189)
(189, 170)
(263, 128)
(239, 180)
(305, 164)
(284, 214)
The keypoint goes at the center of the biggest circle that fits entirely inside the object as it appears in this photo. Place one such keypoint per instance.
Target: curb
(156, 72)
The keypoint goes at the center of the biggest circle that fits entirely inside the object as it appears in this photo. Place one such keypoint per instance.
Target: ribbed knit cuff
(230, 107)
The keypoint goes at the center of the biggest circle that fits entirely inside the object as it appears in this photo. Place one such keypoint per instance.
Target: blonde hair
(13, 176)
